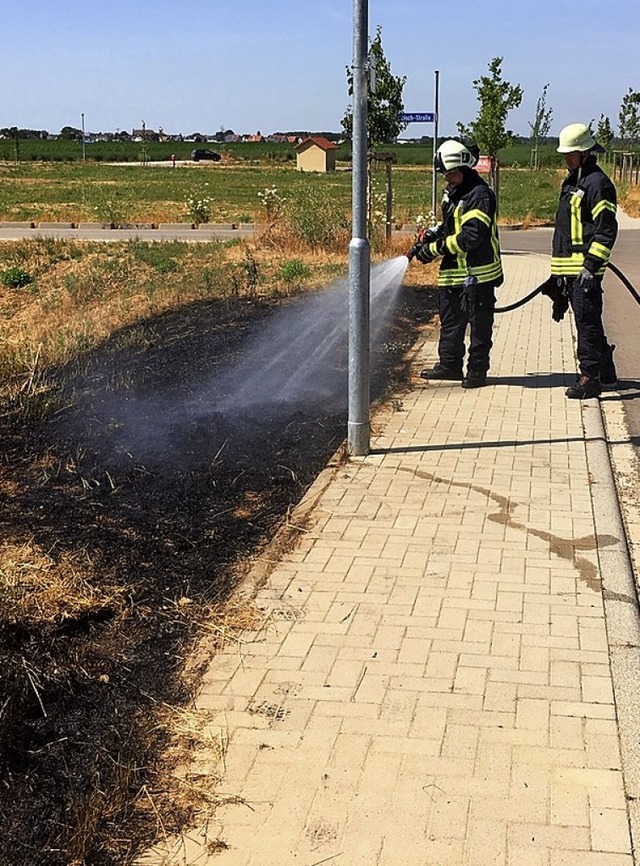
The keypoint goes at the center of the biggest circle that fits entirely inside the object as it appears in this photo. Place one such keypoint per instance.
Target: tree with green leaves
(629, 119)
(604, 132)
(70, 133)
(541, 125)
(384, 103)
(496, 97)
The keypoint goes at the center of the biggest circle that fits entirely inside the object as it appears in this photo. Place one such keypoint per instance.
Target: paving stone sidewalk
(431, 684)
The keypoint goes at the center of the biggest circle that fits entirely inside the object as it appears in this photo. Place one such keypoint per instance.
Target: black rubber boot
(474, 380)
(608, 374)
(585, 387)
(442, 372)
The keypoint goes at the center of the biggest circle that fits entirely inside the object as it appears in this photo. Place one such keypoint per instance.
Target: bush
(198, 208)
(293, 272)
(316, 216)
(15, 278)
(157, 256)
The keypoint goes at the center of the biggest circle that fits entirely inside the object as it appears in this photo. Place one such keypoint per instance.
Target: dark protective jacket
(586, 223)
(470, 233)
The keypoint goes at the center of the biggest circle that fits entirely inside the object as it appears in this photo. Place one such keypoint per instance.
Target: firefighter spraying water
(466, 244)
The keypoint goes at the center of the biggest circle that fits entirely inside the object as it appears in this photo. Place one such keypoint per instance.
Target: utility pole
(84, 143)
(434, 179)
(359, 248)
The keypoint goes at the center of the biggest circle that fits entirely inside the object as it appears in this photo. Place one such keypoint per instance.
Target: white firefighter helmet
(453, 154)
(577, 137)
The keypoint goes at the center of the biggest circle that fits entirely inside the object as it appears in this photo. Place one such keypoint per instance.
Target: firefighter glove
(469, 296)
(424, 254)
(554, 288)
(585, 280)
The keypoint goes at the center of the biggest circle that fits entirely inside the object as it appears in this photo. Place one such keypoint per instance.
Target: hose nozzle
(413, 249)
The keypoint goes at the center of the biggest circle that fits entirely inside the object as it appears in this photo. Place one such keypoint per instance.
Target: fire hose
(543, 288)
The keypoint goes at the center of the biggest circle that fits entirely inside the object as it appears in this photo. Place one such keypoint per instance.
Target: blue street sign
(417, 116)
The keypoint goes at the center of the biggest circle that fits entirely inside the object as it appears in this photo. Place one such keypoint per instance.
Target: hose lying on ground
(616, 270)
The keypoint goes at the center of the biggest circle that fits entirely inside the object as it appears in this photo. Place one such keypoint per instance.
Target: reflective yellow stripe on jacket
(570, 266)
(484, 273)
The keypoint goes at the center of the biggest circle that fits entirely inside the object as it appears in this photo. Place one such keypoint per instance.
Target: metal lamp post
(359, 248)
(84, 141)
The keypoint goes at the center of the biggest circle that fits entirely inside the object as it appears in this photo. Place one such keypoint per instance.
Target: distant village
(70, 133)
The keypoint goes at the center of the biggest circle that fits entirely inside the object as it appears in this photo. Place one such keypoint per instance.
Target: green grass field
(88, 192)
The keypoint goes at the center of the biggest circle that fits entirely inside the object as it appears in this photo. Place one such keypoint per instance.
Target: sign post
(434, 177)
(426, 117)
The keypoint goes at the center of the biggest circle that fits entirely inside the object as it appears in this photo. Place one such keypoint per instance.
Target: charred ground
(158, 528)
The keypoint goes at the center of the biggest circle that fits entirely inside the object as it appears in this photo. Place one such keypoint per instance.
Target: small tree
(496, 98)
(604, 132)
(541, 125)
(629, 119)
(70, 133)
(384, 102)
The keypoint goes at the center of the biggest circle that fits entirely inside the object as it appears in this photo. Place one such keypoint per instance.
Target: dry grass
(38, 589)
(631, 202)
(81, 294)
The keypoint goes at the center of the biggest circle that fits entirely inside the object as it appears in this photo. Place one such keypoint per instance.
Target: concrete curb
(622, 611)
(29, 224)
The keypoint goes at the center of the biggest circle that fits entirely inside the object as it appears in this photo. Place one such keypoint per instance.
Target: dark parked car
(197, 155)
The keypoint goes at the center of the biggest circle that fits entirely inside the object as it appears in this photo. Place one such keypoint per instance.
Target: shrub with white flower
(376, 203)
(199, 208)
(427, 220)
(271, 201)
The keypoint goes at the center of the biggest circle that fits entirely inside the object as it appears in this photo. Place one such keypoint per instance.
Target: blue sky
(276, 65)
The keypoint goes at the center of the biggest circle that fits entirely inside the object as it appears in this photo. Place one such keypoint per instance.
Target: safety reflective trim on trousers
(603, 205)
(600, 251)
(576, 222)
(476, 214)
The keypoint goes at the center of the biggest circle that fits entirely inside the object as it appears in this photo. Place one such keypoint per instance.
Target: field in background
(103, 192)
(116, 151)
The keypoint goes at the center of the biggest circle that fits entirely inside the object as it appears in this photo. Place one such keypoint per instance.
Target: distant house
(316, 153)
(144, 134)
(257, 137)
(283, 138)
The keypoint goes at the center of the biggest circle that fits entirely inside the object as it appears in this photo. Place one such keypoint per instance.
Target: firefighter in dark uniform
(585, 232)
(470, 267)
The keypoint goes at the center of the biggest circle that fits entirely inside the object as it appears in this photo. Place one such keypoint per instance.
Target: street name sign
(417, 116)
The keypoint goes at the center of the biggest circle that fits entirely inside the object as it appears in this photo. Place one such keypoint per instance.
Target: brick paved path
(431, 685)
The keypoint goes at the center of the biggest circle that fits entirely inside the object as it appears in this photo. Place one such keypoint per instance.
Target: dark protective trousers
(592, 342)
(453, 325)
